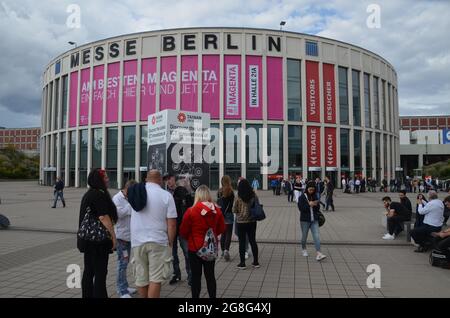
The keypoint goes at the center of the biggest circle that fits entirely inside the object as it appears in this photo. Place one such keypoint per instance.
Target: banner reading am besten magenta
(73, 99)
(275, 88)
(148, 88)
(210, 85)
(232, 96)
(129, 91)
(189, 83)
(168, 83)
(313, 137)
(112, 93)
(97, 94)
(85, 93)
(312, 92)
(329, 96)
(330, 147)
(254, 87)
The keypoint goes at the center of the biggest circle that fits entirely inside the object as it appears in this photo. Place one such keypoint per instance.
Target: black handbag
(92, 229)
(257, 211)
(321, 218)
(440, 258)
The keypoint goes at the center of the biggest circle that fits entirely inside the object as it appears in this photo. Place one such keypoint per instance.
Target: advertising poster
(232, 86)
(210, 85)
(112, 93)
(330, 147)
(148, 88)
(329, 94)
(85, 93)
(97, 94)
(275, 88)
(73, 99)
(254, 87)
(312, 92)
(168, 83)
(313, 135)
(129, 91)
(189, 83)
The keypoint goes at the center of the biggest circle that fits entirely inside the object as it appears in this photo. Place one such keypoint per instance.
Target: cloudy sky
(413, 36)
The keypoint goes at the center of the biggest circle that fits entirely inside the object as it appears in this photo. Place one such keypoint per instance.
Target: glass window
(343, 96)
(294, 90)
(72, 157)
(295, 149)
(253, 152)
(357, 147)
(275, 149)
(64, 101)
(356, 98)
(367, 99)
(111, 155)
(388, 111)
(233, 152)
(383, 104)
(57, 105)
(378, 156)
(129, 148)
(144, 137)
(83, 157)
(345, 150)
(55, 148)
(312, 49)
(376, 103)
(97, 142)
(385, 150)
(63, 151)
(369, 154)
(50, 108)
(214, 173)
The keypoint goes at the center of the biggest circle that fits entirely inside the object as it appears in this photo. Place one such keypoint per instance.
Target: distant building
(424, 140)
(24, 139)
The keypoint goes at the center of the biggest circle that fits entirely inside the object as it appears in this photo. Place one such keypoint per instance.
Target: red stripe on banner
(312, 92)
(313, 135)
(330, 147)
(329, 94)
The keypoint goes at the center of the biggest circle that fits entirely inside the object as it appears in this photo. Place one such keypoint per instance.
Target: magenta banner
(148, 88)
(232, 93)
(73, 99)
(97, 94)
(210, 85)
(275, 88)
(129, 91)
(112, 93)
(189, 83)
(168, 83)
(254, 87)
(85, 92)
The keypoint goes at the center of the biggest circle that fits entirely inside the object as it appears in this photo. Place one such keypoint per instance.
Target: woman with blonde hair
(197, 221)
(225, 199)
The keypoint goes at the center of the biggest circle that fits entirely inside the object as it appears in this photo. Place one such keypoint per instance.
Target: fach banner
(189, 83)
(73, 99)
(232, 96)
(275, 88)
(168, 83)
(312, 92)
(112, 93)
(148, 88)
(330, 147)
(97, 94)
(85, 92)
(254, 87)
(329, 95)
(210, 85)
(129, 91)
(313, 135)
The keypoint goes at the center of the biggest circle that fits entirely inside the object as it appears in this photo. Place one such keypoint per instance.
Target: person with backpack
(309, 208)
(225, 199)
(183, 201)
(201, 225)
(246, 225)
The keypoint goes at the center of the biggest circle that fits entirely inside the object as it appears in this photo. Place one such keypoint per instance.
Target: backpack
(137, 196)
(440, 258)
(210, 248)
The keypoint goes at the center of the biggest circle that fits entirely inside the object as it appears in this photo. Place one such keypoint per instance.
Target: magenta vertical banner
(232, 93)
(189, 83)
(73, 99)
(274, 88)
(129, 91)
(254, 87)
(112, 93)
(210, 85)
(168, 83)
(85, 92)
(148, 88)
(97, 94)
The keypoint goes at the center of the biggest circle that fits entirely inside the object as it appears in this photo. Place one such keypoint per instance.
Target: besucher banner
(176, 143)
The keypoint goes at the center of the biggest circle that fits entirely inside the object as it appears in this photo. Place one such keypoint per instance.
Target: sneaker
(305, 253)
(320, 257)
(174, 280)
(420, 249)
(132, 291)
(246, 255)
(53, 207)
(388, 237)
(226, 256)
(385, 236)
(241, 266)
(126, 296)
(256, 265)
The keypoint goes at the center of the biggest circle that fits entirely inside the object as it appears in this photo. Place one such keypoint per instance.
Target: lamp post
(282, 23)
(73, 43)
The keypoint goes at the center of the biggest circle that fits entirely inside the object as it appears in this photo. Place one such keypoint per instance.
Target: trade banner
(313, 135)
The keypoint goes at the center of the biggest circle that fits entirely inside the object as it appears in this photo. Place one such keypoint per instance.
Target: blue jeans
(176, 260)
(59, 194)
(123, 253)
(314, 226)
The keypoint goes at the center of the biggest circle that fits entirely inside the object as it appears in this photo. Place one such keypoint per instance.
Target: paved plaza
(35, 252)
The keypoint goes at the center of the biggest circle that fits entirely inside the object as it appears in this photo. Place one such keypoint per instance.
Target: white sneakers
(132, 291)
(246, 255)
(320, 256)
(305, 253)
(388, 236)
(126, 296)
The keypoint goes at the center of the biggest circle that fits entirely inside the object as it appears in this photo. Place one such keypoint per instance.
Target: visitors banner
(312, 92)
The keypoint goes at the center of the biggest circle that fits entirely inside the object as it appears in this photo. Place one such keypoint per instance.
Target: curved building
(333, 106)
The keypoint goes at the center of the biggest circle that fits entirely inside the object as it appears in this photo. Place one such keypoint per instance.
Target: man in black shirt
(396, 215)
(404, 200)
(59, 188)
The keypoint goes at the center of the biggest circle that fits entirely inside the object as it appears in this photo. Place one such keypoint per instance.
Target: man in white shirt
(434, 217)
(153, 230)
(122, 229)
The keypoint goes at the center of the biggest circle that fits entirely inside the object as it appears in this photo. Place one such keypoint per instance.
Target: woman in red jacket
(203, 215)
